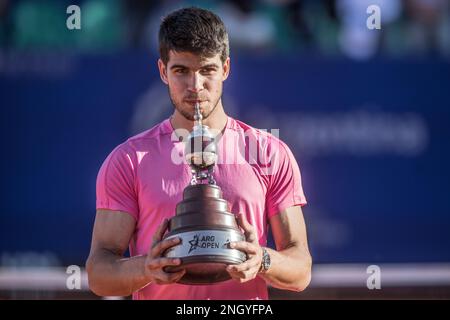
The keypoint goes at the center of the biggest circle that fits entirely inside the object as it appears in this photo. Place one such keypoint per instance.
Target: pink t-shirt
(144, 177)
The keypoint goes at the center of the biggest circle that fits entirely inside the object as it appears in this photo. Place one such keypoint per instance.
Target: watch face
(266, 260)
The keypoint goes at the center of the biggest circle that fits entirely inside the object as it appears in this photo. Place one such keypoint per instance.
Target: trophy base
(204, 270)
(205, 254)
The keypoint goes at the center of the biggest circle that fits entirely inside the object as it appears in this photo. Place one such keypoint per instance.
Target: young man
(139, 184)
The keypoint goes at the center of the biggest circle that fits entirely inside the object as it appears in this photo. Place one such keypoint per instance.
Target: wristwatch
(265, 261)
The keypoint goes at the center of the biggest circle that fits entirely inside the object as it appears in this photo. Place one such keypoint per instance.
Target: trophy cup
(202, 220)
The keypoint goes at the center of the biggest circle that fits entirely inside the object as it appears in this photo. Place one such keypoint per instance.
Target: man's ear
(163, 71)
(226, 68)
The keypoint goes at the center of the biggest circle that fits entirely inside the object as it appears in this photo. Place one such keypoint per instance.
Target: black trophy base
(204, 270)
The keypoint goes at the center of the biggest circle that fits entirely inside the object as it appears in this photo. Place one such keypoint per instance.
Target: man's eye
(180, 71)
(208, 71)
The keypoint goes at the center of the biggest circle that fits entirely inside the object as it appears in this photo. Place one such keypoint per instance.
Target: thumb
(243, 222)
(158, 235)
(249, 230)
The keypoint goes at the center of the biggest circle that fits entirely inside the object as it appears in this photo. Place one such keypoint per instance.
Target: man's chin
(189, 114)
(186, 114)
(187, 110)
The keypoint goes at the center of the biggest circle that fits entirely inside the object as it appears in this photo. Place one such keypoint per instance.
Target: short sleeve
(115, 188)
(285, 189)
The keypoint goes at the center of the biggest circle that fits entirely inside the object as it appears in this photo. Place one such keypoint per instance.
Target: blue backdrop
(372, 140)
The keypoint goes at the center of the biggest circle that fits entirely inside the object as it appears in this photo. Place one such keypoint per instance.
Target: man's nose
(196, 84)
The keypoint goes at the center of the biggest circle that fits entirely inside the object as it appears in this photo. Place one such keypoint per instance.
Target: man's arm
(109, 273)
(290, 264)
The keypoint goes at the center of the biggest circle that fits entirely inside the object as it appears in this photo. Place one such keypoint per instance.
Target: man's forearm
(113, 275)
(290, 269)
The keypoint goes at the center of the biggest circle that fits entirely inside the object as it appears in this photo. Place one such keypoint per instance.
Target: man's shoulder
(264, 135)
(154, 132)
(142, 141)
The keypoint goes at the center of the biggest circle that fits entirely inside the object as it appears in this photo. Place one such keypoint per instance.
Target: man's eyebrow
(209, 65)
(178, 66)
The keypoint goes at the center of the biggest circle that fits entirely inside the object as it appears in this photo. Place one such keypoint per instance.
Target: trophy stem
(211, 179)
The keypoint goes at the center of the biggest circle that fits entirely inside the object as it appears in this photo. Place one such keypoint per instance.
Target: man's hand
(247, 270)
(155, 262)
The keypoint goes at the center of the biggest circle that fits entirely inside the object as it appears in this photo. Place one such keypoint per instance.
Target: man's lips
(194, 102)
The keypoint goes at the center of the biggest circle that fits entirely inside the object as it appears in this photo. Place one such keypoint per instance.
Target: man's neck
(216, 120)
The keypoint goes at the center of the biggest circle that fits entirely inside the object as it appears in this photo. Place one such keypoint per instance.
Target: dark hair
(193, 30)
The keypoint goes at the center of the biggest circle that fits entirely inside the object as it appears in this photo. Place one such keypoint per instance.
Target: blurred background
(365, 112)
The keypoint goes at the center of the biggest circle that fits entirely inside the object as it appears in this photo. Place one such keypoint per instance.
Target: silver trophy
(202, 219)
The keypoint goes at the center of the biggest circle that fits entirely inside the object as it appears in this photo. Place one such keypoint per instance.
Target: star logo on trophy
(194, 243)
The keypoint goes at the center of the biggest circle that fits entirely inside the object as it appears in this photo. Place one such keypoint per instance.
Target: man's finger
(233, 274)
(248, 275)
(245, 266)
(175, 276)
(157, 237)
(239, 267)
(162, 262)
(160, 247)
(247, 247)
(167, 278)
